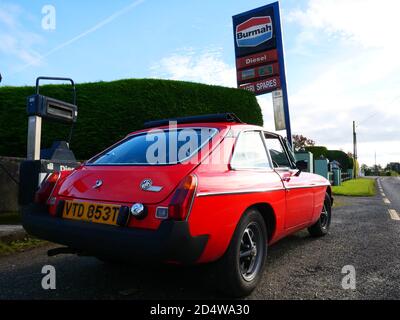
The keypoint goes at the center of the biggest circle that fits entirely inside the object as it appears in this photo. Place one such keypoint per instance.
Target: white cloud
(357, 76)
(15, 40)
(369, 23)
(206, 66)
(8, 15)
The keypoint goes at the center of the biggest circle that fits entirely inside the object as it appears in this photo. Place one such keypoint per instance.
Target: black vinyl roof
(218, 117)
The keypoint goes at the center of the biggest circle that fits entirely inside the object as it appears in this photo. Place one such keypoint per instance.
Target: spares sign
(257, 44)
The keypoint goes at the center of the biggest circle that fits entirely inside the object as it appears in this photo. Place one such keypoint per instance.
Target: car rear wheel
(240, 269)
(321, 227)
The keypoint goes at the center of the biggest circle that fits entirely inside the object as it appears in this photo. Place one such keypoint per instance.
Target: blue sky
(131, 44)
(342, 62)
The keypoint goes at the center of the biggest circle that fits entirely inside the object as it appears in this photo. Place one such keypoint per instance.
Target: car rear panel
(122, 184)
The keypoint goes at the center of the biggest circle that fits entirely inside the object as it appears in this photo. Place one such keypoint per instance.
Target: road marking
(383, 195)
(393, 214)
(386, 200)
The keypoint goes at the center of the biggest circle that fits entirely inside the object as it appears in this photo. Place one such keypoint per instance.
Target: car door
(299, 195)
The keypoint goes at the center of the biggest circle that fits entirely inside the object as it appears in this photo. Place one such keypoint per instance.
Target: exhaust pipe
(61, 250)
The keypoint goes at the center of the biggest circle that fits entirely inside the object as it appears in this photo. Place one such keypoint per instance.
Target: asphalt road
(391, 189)
(363, 235)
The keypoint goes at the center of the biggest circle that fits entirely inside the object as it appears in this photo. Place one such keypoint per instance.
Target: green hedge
(345, 161)
(341, 157)
(107, 111)
(317, 151)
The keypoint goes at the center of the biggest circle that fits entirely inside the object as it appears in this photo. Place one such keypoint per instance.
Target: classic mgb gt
(185, 191)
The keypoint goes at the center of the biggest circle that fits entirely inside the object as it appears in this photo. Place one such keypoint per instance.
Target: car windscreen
(156, 147)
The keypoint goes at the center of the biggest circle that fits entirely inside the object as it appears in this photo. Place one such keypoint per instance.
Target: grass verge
(20, 245)
(10, 218)
(356, 187)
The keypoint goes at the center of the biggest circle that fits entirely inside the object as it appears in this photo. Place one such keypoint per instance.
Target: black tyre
(242, 265)
(321, 227)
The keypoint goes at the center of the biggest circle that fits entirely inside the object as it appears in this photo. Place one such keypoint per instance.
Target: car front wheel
(240, 269)
(321, 227)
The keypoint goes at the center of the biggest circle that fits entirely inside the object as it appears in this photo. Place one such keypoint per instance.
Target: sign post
(260, 64)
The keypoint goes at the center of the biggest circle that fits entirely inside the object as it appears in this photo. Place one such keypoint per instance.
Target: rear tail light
(46, 188)
(182, 199)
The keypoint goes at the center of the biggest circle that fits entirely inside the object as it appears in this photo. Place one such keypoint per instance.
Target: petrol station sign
(257, 60)
(260, 65)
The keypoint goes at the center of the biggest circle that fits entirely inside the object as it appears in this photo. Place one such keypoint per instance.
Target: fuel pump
(42, 162)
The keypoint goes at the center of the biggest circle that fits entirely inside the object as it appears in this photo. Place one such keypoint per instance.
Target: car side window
(250, 152)
(277, 152)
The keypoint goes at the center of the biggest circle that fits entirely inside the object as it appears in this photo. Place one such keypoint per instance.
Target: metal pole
(282, 72)
(354, 150)
(34, 137)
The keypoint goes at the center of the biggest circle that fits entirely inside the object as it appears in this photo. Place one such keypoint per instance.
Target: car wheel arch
(268, 215)
(329, 192)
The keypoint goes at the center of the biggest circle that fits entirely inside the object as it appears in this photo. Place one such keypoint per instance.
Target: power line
(376, 112)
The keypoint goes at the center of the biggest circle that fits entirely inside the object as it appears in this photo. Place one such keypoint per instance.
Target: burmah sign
(260, 65)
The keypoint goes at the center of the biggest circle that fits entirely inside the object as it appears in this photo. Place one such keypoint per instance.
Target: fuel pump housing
(41, 162)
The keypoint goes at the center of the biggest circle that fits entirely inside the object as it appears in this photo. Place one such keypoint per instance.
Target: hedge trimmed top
(108, 111)
(345, 161)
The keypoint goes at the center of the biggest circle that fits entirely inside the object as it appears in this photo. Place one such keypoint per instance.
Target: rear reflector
(182, 200)
(162, 213)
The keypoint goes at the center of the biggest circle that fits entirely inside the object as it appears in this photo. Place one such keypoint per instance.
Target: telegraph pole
(354, 150)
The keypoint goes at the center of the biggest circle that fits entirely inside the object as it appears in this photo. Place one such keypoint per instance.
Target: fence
(330, 177)
(346, 176)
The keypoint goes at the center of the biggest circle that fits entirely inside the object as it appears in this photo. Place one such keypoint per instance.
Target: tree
(300, 142)
(366, 170)
(377, 170)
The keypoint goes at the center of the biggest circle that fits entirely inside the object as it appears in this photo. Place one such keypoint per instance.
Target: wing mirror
(301, 165)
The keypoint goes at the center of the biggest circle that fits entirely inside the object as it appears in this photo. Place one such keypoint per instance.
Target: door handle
(286, 179)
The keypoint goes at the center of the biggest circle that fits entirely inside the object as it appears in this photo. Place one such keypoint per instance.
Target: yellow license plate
(91, 212)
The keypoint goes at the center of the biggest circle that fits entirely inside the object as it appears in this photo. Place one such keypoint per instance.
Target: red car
(194, 190)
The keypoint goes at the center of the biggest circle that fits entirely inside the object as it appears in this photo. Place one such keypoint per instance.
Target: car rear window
(156, 147)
